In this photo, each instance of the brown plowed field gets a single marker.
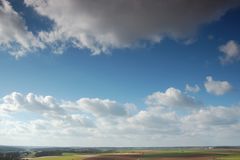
(184, 158)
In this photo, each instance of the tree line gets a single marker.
(10, 156)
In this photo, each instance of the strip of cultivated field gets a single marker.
(151, 155)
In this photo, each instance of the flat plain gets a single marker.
(176, 154)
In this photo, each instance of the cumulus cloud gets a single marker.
(15, 102)
(47, 105)
(104, 107)
(172, 97)
(100, 27)
(193, 89)
(215, 116)
(105, 24)
(155, 120)
(231, 51)
(105, 121)
(14, 34)
(217, 87)
(213, 121)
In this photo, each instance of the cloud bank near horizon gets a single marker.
(168, 118)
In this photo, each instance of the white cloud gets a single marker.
(172, 98)
(102, 25)
(107, 122)
(15, 102)
(214, 121)
(214, 116)
(11, 103)
(193, 89)
(231, 51)
(155, 120)
(102, 108)
(217, 87)
(13, 32)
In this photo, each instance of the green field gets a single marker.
(230, 157)
(64, 157)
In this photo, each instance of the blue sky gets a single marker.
(69, 62)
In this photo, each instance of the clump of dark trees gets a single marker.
(10, 156)
(48, 153)
(59, 152)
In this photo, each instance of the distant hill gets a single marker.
(4, 149)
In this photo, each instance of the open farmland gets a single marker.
(171, 154)
(73, 157)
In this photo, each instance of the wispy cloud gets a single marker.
(193, 89)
